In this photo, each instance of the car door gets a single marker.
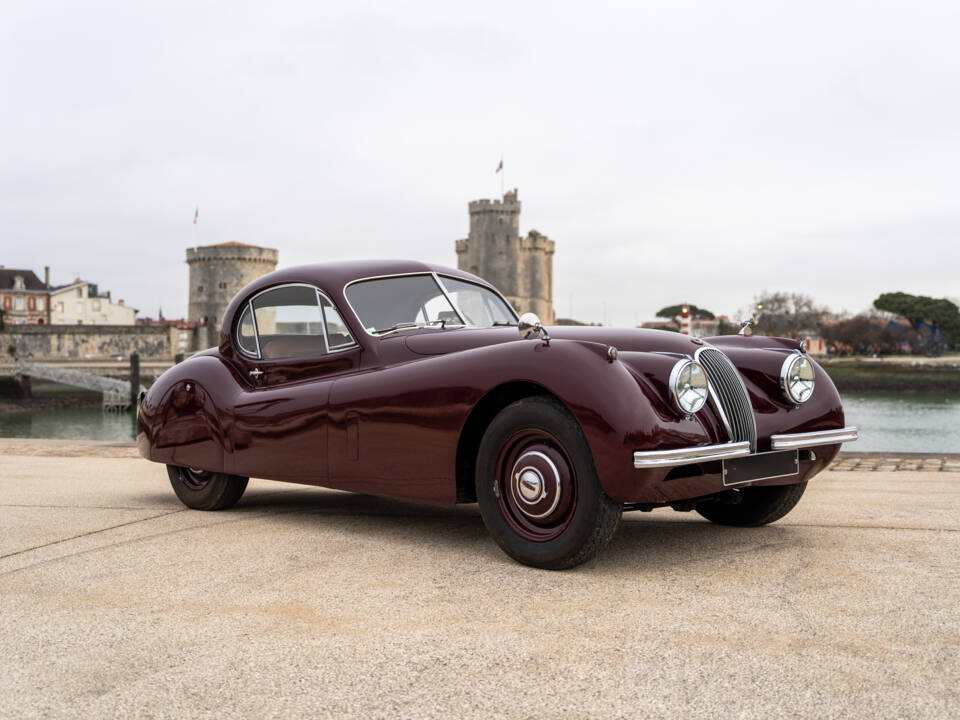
(293, 346)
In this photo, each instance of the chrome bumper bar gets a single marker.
(820, 437)
(690, 455)
(706, 453)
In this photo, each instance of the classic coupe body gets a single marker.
(411, 381)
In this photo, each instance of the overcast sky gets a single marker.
(699, 152)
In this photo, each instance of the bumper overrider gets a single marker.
(644, 459)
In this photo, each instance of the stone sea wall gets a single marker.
(88, 342)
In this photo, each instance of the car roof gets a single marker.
(333, 276)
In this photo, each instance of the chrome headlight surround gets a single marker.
(689, 387)
(797, 378)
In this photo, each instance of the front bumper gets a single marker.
(644, 459)
(820, 437)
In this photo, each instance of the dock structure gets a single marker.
(116, 393)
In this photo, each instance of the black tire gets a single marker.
(759, 505)
(538, 439)
(204, 490)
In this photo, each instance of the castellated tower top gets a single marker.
(509, 204)
(520, 267)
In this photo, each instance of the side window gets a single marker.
(337, 334)
(289, 323)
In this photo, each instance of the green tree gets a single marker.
(938, 312)
(673, 311)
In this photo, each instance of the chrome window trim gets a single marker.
(333, 348)
(236, 333)
(256, 330)
(643, 459)
(790, 441)
(436, 279)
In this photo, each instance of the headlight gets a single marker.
(688, 386)
(796, 378)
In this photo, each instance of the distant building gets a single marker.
(694, 327)
(217, 273)
(520, 267)
(82, 303)
(23, 297)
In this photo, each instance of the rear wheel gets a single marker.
(205, 490)
(537, 487)
(758, 505)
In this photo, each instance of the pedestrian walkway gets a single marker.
(892, 462)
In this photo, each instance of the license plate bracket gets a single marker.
(762, 466)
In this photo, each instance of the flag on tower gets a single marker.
(196, 215)
(499, 167)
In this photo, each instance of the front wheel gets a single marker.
(537, 487)
(759, 505)
(205, 490)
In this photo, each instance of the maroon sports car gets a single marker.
(412, 381)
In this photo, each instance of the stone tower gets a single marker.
(520, 267)
(217, 273)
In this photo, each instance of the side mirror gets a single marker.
(530, 326)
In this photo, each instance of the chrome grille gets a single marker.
(730, 396)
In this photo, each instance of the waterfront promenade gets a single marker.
(118, 602)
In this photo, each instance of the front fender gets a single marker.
(621, 406)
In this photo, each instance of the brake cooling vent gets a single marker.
(731, 396)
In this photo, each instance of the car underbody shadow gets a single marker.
(642, 542)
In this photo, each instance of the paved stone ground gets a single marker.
(115, 601)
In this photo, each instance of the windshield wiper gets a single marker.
(443, 323)
(398, 326)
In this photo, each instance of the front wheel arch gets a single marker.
(479, 419)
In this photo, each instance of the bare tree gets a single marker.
(867, 333)
(789, 315)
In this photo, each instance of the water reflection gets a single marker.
(904, 422)
(73, 424)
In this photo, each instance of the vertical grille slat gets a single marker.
(731, 395)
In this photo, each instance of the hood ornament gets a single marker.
(530, 326)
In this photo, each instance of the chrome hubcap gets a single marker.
(531, 485)
(535, 484)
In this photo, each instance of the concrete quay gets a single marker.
(115, 601)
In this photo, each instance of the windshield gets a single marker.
(479, 306)
(405, 301)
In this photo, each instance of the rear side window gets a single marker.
(246, 336)
(291, 321)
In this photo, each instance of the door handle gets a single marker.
(256, 372)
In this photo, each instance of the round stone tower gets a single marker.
(520, 267)
(217, 273)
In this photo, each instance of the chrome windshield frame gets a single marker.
(437, 278)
